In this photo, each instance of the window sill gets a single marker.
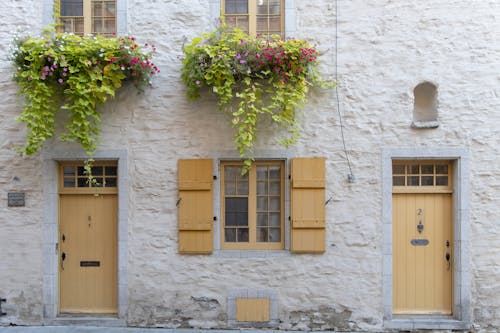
(427, 322)
(251, 253)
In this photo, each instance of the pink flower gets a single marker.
(60, 80)
(198, 82)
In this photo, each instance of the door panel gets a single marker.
(88, 240)
(422, 275)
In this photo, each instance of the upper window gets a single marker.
(252, 205)
(421, 176)
(88, 16)
(265, 17)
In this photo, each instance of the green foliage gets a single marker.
(75, 74)
(252, 77)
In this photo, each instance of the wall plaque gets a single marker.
(16, 199)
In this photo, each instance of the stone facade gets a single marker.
(385, 49)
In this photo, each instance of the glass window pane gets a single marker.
(242, 188)
(442, 180)
(274, 172)
(96, 8)
(71, 7)
(240, 22)
(262, 219)
(275, 235)
(275, 24)
(398, 169)
(398, 181)
(242, 234)
(109, 8)
(230, 235)
(230, 188)
(413, 169)
(275, 204)
(110, 182)
(69, 171)
(231, 219)
(427, 169)
(236, 7)
(242, 219)
(262, 7)
(262, 172)
(275, 188)
(262, 204)
(96, 171)
(111, 171)
(69, 182)
(275, 7)
(413, 181)
(274, 219)
(262, 188)
(427, 180)
(442, 169)
(262, 235)
(231, 172)
(242, 204)
(81, 171)
(83, 182)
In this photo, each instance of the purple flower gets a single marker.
(46, 68)
(60, 80)
(242, 61)
(238, 56)
(198, 82)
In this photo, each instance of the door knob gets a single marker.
(63, 257)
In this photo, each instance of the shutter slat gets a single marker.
(195, 213)
(308, 205)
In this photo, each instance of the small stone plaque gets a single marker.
(16, 199)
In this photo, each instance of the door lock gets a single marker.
(448, 258)
(63, 257)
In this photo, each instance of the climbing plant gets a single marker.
(252, 77)
(75, 74)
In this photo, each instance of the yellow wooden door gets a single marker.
(88, 253)
(422, 253)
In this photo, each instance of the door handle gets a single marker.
(63, 257)
(448, 258)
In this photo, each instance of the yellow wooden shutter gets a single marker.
(308, 205)
(195, 206)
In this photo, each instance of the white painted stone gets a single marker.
(385, 48)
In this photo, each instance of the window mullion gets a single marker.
(252, 204)
(87, 16)
(252, 17)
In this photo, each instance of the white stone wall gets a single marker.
(385, 48)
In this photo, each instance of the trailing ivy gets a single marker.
(75, 74)
(252, 77)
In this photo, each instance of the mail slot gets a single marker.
(90, 263)
(419, 242)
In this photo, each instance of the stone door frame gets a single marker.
(461, 318)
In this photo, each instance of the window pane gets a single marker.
(109, 8)
(231, 219)
(398, 181)
(274, 172)
(442, 169)
(242, 235)
(275, 204)
(442, 180)
(413, 181)
(275, 235)
(398, 169)
(275, 188)
(96, 171)
(71, 7)
(98, 182)
(69, 171)
(111, 171)
(236, 7)
(97, 8)
(262, 188)
(413, 169)
(262, 172)
(69, 182)
(81, 171)
(274, 219)
(262, 235)
(110, 182)
(230, 235)
(242, 188)
(262, 204)
(231, 173)
(230, 188)
(427, 180)
(262, 219)
(83, 182)
(427, 169)
(237, 22)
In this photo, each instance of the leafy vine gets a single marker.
(75, 74)
(252, 77)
